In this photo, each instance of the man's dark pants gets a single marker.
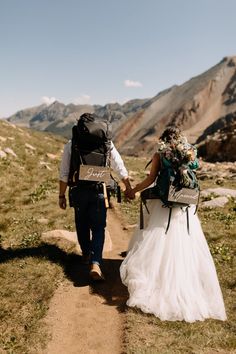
(90, 215)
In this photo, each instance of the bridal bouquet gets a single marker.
(178, 152)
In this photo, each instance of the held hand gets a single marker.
(62, 203)
(129, 193)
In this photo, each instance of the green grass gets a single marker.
(146, 333)
(29, 270)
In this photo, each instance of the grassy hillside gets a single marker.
(29, 270)
(147, 334)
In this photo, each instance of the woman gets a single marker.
(171, 275)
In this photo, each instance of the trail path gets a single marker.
(85, 317)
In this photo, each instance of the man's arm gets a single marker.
(117, 164)
(64, 173)
(127, 184)
(62, 197)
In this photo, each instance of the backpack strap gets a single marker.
(108, 152)
(141, 222)
(187, 215)
(169, 218)
(196, 209)
(142, 201)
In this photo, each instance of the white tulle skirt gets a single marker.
(172, 275)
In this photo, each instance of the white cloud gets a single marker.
(83, 99)
(130, 83)
(48, 100)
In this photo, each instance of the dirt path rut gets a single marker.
(85, 317)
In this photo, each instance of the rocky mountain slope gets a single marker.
(59, 118)
(218, 141)
(194, 106)
(203, 107)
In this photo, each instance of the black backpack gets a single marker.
(91, 145)
(175, 187)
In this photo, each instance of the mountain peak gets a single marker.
(230, 60)
(193, 106)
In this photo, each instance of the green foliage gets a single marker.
(42, 191)
(221, 252)
(28, 278)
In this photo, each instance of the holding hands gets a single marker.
(129, 193)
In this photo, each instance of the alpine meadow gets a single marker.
(32, 270)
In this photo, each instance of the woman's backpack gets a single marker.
(175, 186)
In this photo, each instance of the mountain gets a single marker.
(199, 107)
(218, 141)
(59, 118)
(193, 106)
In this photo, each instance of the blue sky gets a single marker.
(101, 51)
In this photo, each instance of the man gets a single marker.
(90, 209)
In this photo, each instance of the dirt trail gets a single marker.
(87, 317)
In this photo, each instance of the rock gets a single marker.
(30, 146)
(43, 221)
(3, 139)
(218, 141)
(226, 192)
(63, 239)
(217, 171)
(10, 151)
(67, 240)
(51, 156)
(214, 203)
(45, 165)
(130, 227)
(220, 181)
(2, 154)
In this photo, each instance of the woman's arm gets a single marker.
(155, 167)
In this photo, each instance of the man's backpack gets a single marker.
(175, 187)
(90, 156)
(91, 145)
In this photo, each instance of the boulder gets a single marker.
(28, 146)
(218, 202)
(10, 151)
(2, 154)
(225, 192)
(67, 240)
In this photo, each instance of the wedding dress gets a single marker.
(172, 275)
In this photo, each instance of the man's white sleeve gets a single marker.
(117, 163)
(65, 163)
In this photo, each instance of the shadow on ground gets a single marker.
(111, 290)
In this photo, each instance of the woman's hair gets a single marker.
(170, 133)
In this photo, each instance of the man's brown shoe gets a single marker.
(96, 273)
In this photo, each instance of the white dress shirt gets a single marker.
(117, 163)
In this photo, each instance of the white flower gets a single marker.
(180, 147)
(161, 146)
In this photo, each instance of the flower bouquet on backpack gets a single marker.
(182, 157)
(177, 179)
(178, 152)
